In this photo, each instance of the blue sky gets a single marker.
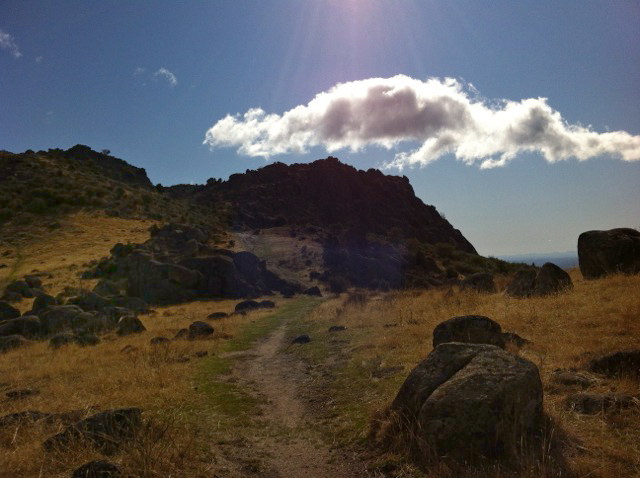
(148, 79)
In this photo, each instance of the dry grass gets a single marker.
(566, 330)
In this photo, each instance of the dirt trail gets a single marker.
(293, 448)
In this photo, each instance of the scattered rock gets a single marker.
(571, 378)
(7, 311)
(217, 315)
(33, 281)
(107, 431)
(337, 328)
(201, 353)
(618, 364)
(247, 305)
(593, 403)
(551, 279)
(43, 301)
(471, 401)
(480, 282)
(20, 287)
(608, 252)
(313, 291)
(130, 325)
(301, 339)
(98, 469)
(472, 329)
(199, 329)
(160, 341)
(21, 393)
(28, 326)
(11, 342)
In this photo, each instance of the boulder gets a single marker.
(87, 339)
(61, 339)
(522, 284)
(301, 339)
(618, 364)
(98, 469)
(9, 296)
(593, 403)
(20, 287)
(107, 431)
(313, 291)
(337, 328)
(89, 301)
(551, 279)
(160, 341)
(43, 301)
(571, 378)
(471, 401)
(28, 326)
(59, 318)
(247, 305)
(7, 311)
(217, 315)
(11, 342)
(19, 393)
(479, 282)
(33, 281)
(608, 252)
(106, 288)
(129, 325)
(199, 329)
(472, 329)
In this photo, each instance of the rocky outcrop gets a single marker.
(471, 401)
(176, 265)
(608, 252)
(471, 329)
(549, 279)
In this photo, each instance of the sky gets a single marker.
(519, 121)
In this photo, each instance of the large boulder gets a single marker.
(42, 301)
(60, 318)
(607, 252)
(471, 401)
(480, 282)
(549, 279)
(28, 326)
(130, 325)
(107, 431)
(11, 342)
(472, 329)
(199, 329)
(7, 311)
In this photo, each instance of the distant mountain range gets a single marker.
(566, 260)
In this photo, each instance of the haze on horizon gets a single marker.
(521, 123)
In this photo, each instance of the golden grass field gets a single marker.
(184, 415)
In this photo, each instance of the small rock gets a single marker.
(21, 393)
(130, 325)
(301, 339)
(618, 364)
(199, 329)
(181, 334)
(571, 378)
(337, 328)
(160, 341)
(217, 315)
(98, 469)
(201, 353)
(592, 403)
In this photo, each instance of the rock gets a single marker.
(199, 329)
(28, 326)
(98, 469)
(608, 252)
(181, 334)
(106, 288)
(7, 311)
(522, 284)
(43, 301)
(89, 301)
(571, 378)
(267, 304)
(514, 339)
(11, 296)
(593, 403)
(472, 329)
(337, 328)
(313, 291)
(107, 431)
(480, 282)
(160, 341)
(20, 287)
(61, 339)
(135, 304)
(21, 393)
(11, 342)
(618, 364)
(301, 339)
(60, 318)
(217, 315)
(129, 325)
(247, 305)
(551, 279)
(33, 281)
(20, 417)
(471, 401)
(87, 339)
(201, 353)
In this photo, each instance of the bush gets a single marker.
(338, 284)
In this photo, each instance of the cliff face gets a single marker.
(335, 197)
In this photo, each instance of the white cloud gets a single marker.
(167, 75)
(139, 71)
(39, 59)
(8, 43)
(444, 115)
